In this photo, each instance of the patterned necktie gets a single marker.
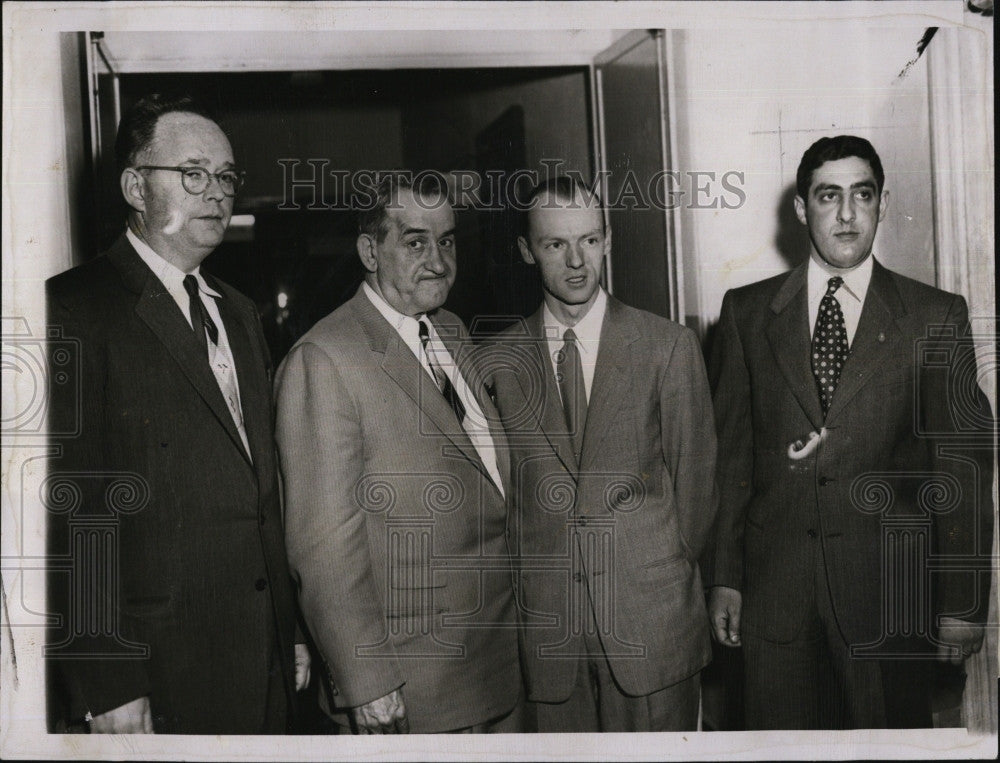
(829, 345)
(443, 382)
(569, 375)
(201, 321)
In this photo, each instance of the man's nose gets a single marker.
(845, 211)
(574, 256)
(435, 261)
(214, 188)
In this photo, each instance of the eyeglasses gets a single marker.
(195, 179)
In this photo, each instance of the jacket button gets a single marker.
(261, 584)
(811, 533)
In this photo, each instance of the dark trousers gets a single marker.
(813, 682)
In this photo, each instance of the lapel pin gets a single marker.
(881, 336)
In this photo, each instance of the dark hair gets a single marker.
(373, 215)
(830, 150)
(135, 131)
(561, 187)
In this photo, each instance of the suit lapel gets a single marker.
(402, 366)
(610, 374)
(874, 341)
(160, 312)
(254, 393)
(789, 335)
(551, 420)
(470, 372)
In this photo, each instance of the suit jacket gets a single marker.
(620, 532)
(201, 598)
(396, 535)
(904, 472)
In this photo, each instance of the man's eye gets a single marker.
(554, 245)
(864, 195)
(446, 243)
(592, 241)
(828, 196)
(229, 178)
(194, 174)
(416, 245)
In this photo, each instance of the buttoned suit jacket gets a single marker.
(903, 474)
(642, 501)
(396, 534)
(196, 589)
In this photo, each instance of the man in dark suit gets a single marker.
(395, 474)
(609, 418)
(180, 617)
(854, 467)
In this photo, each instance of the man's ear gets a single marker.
(800, 210)
(526, 254)
(133, 187)
(607, 241)
(366, 251)
(883, 205)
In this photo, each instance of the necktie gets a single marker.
(443, 382)
(569, 375)
(201, 321)
(829, 346)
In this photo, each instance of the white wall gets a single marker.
(754, 102)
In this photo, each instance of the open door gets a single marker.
(633, 157)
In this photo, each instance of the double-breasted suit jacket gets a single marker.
(189, 599)
(619, 533)
(396, 533)
(901, 477)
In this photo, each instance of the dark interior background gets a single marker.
(497, 120)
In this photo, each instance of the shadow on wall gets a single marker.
(791, 238)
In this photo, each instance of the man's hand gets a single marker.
(965, 637)
(131, 718)
(724, 607)
(303, 663)
(385, 715)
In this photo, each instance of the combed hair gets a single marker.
(135, 131)
(561, 187)
(831, 149)
(373, 217)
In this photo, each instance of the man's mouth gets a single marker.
(577, 280)
(847, 234)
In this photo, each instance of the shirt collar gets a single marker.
(855, 281)
(587, 330)
(396, 319)
(166, 271)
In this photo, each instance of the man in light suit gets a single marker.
(178, 613)
(609, 419)
(855, 469)
(395, 472)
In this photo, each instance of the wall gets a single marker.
(754, 103)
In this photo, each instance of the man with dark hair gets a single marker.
(182, 619)
(395, 476)
(609, 417)
(855, 469)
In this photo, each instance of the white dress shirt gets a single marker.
(588, 337)
(850, 295)
(474, 424)
(220, 357)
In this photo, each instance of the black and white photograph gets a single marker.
(605, 380)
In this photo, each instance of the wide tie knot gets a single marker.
(833, 284)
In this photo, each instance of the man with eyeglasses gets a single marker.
(183, 621)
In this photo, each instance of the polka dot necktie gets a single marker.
(829, 345)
